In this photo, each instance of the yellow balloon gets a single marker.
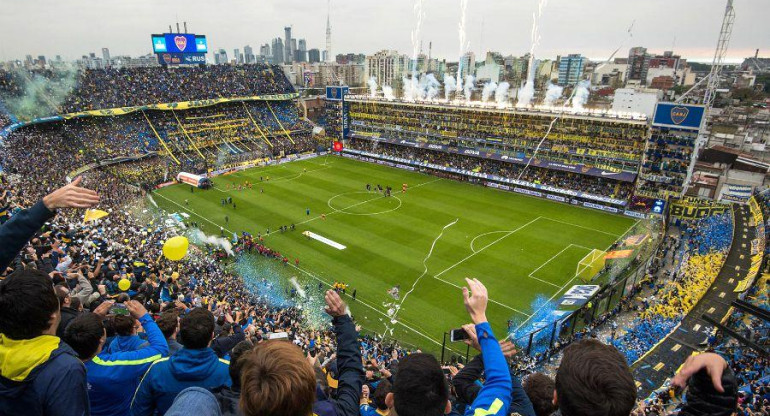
(124, 284)
(175, 248)
(175, 275)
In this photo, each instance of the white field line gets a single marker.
(425, 267)
(531, 274)
(568, 282)
(400, 322)
(473, 242)
(508, 233)
(582, 226)
(322, 281)
(282, 179)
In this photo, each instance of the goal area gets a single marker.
(590, 265)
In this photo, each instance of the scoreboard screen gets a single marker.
(179, 43)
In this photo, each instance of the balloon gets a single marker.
(175, 248)
(174, 275)
(124, 284)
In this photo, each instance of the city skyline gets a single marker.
(125, 29)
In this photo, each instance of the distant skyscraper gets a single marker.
(237, 56)
(287, 53)
(468, 64)
(571, 69)
(314, 56)
(293, 49)
(220, 57)
(277, 51)
(328, 57)
(264, 51)
(248, 54)
(638, 64)
(106, 54)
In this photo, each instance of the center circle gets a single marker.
(364, 203)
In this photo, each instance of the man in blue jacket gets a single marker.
(114, 376)
(39, 374)
(420, 387)
(195, 365)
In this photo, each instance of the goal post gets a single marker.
(590, 265)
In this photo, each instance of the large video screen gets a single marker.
(179, 43)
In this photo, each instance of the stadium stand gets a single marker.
(185, 306)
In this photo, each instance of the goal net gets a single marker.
(590, 265)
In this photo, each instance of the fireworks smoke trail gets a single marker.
(463, 44)
(527, 92)
(372, 83)
(553, 92)
(488, 90)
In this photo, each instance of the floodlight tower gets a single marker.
(712, 84)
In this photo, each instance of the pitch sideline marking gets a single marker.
(317, 278)
(424, 335)
(582, 226)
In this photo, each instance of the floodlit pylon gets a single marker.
(712, 84)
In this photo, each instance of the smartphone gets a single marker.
(458, 334)
(119, 309)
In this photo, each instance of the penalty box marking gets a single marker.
(552, 258)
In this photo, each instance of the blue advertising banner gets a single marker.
(680, 116)
(179, 43)
(181, 58)
(577, 296)
(336, 93)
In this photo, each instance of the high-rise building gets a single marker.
(328, 51)
(314, 56)
(106, 54)
(638, 65)
(237, 56)
(571, 68)
(468, 64)
(220, 57)
(248, 54)
(301, 54)
(264, 50)
(387, 66)
(278, 51)
(287, 53)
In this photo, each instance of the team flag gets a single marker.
(94, 214)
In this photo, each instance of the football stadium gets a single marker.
(256, 237)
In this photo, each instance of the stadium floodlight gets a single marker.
(590, 265)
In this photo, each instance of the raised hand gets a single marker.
(335, 306)
(713, 363)
(136, 309)
(475, 298)
(71, 196)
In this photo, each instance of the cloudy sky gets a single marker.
(594, 28)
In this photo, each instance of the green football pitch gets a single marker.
(426, 241)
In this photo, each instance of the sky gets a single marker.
(594, 28)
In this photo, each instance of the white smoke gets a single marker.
(580, 97)
(411, 87)
(501, 94)
(526, 93)
(198, 237)
(488, 90)
(431, 87)
(387, 92)
(372, 86)
(450, 85)
(469, 87)
(552, 93)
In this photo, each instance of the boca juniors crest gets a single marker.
(180, 42)
(679, 114)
